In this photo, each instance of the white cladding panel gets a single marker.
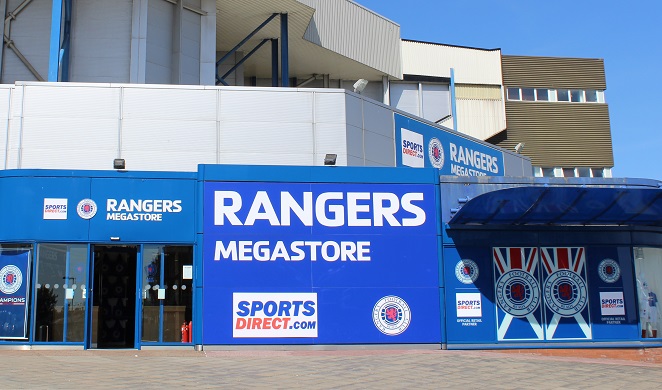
(267, 105)
(405, 97)
(101, 41)
(480, 118)
(30, 32)
(164, 103)
(472, 66)
(5, 102)
(160, 17)
(356, 32)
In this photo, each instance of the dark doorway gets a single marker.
(114, 297)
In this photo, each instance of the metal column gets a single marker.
(274, 62)
(284, 54)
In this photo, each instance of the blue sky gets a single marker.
(627, 35)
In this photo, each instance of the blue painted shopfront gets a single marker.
(259, 255)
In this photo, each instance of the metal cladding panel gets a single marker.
(168, 135)
(268, 138)
(378, 119)
(472, 65)
(258, 158)
(354, 111)
(64, 100)
(379, 150)
(554, 72)
(480, 118)
(5, 102)
(329, 108)
(180, 104)
(30, 32)
(355, 161)
(355, 142)
(191, 30)
(101, 41)
(330, 138)
(266, 106)
(176, 160)
(405, 97)
(560, 134)
(160, 18)
(349, 29)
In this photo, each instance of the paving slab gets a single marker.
(343, 369)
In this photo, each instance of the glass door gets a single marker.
(167, 294)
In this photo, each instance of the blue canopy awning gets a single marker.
(563, 206)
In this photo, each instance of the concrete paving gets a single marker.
(344, 369)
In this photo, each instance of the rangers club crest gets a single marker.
(609, 271)
(391, 315)
(466, 271)
(566, 293)
(517, 294)
(11, 279)
(86, 208)
(436, 153)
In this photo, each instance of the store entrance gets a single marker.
(113, 322)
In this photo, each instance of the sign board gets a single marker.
(420, 145)
(320, 263)
(14, 294)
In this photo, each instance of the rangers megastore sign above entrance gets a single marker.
(320, 263)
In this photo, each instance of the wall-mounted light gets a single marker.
(119, 163)
(114, 238)
(330, 159)
(360, 85)
(519, 147)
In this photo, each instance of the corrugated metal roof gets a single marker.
(472, 66)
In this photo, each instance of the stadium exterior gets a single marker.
(160, 186)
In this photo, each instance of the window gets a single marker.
(597, 172)
(576, 95)
(513, 94)
(583, 172)
(591, 96)
(61, 293)
(562, 95)
(548, 172)
(648, 268)
(528, 94)
(542, 94)
(568, 172)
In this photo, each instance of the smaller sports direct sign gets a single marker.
(468, 305)
(413, 153)
(55, 208)
(612, 303)
(274, 315)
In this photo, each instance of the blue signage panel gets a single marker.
(296, 263)
(612, 300)
(14, 293)
(469, 295)
(421, 145)
(158, 210)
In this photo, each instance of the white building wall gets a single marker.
(5, 109)
(101, 41)
(30, 32)
(160, 17)
(472, 66)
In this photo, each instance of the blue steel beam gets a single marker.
(66, 42)
(284, 52)
(247, 56)
(249, 36)
(54, 52)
